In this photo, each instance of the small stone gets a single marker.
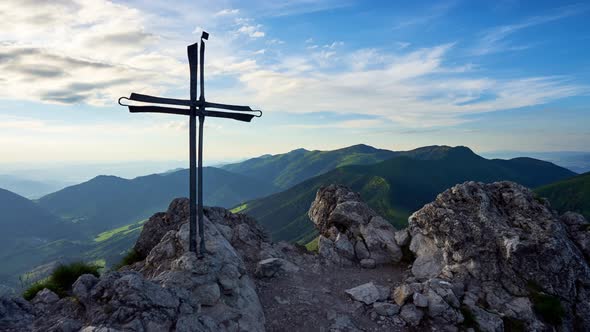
(343, 246)
(411, 314)
(361, 250)
(385, 309)
(402, 293)
(384, 292)
(207, 294)
(420, 300)
(45, 297)
(402, 237)
(82, 287)
(366, 293)
(270, 267)
(368, 263)
(373, 315)
(344, 323)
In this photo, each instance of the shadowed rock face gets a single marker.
(495, 248)
(350, 231)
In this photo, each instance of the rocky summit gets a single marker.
(481, 257)
(497, 257)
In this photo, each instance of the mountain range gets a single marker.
(98, 220)
(109, 201)
(396, 187)
(287, 169)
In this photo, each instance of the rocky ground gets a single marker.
(485, 257)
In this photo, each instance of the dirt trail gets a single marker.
(313, 299)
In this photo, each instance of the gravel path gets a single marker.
(313, 299)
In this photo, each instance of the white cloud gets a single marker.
(96, 51)
(251, 30)
(227, 12)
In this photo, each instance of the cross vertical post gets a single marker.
(196, 108)
(193, 65)
(204, 37)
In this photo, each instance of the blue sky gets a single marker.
(492, 75)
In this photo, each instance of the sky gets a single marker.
(491, 75)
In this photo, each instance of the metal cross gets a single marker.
(196, 108)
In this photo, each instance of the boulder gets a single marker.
(350, 230)
(159, 224)
(508, 249)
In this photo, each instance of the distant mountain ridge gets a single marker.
(105, 202)
(398, 186)
(288, 169)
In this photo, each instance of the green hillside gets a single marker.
(396, 187)
(287, 169)
(26, 224)
(107, 202)
(571, 194)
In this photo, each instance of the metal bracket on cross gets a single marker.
(193, 108)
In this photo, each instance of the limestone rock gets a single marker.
(350, 230)
(171, 289)
(402, 237)
(367, 263)
(271, 267)
(44, 298)
(159, 224)
(578, 229)
(402, 293)
(420, 300)
(498, 240)
(15, 313)
(366, 293)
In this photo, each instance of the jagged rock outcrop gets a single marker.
(350, 231)
(170, 290)
(499, 255)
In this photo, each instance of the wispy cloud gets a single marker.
(227, 11)
(430, 14)
(496, 40)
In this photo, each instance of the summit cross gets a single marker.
(193, 108)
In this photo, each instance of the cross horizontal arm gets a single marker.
(159, 100)
(229, 115)
(158, 109)
(230, 107)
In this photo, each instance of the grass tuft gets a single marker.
(131, 257)
(313, 245)
(61, 279)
